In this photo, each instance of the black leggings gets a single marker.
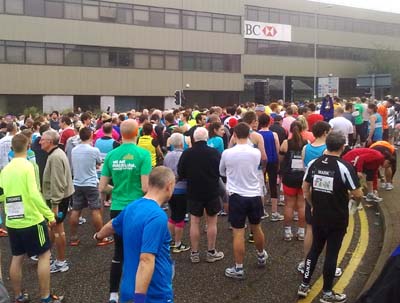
(118, 258)
(333, 238)
(272, 171)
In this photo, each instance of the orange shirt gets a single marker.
(382, 110)
(384, 144)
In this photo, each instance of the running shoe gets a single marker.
(250, 239)
(23, 298)
(195, 257)
(333, 297)
(338, 272)
(276, 217)
(82, 220)
(35, 258)
(383, 185)
(300, 236)
(389, 186)
(214, 257)
(3, 232)
(105, 241)
(370, 197)
(222, 213)
(303, 290)
(295, 216)
(265, 215)
(262, 258)
(300, 267)
(54, 299)
(234, 272)
(57, 267)
(181, 248)
(288, 236)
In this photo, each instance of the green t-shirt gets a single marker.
(24, 204)
(358, 107)
(125, 165)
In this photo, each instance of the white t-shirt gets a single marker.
(240, 165)
(343, 125)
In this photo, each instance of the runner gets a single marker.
(129, 167)
(147, 142)
(390, 154)
(148, 269)
(57, 190)
(375, 130)
(240, 165)
(326, 184)
(26, 213)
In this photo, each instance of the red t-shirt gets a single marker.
(66, 134)
(364, 158)
(312, 119)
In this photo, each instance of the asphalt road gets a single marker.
(87, 279)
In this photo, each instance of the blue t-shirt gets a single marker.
(217, 143)
(269, 145)
(143, 227)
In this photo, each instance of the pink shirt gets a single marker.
(287, 122)
(100, 134)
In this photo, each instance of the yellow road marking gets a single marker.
(358, 254)
(317, 286)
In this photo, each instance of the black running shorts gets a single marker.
(241, 208)
(33, 240)
(212, 207)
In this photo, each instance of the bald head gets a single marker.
(129, 130)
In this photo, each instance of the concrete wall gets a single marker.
(59, 103)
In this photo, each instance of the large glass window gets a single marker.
(203, 62)
(307, 20)
(188, 61)
(90, 10)
(263, 15)
(172, 60)
(124, 13)
(141, 59)
(125, 58)
(73, 9)
(1, 6)
(15, 52)
(156, 60)
(54, 9)
(251, 46)
(218, 23)
(34, 8)
(188, 20)
(141, 15)
(273, 16)
(2, 52)
(203, 21)
(233, 24)
(91, 56)
(108, 12)
(218, 63)
(172, 18)
(54, 54)
(252, 14)
(157, 17)
(35, 53)
(14, 7)
(112, 58)
(73, 55)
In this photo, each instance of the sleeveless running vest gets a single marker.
(293, 167)
(378, 128)
(313, 152)
(146, 143)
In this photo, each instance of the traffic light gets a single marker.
(178, 97)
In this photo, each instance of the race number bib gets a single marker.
(297, 164)
(15, 208)
(323, 183)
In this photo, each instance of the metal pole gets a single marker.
(284, 89)
(315, 53)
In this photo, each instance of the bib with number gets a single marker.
(15, 208)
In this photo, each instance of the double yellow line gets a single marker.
(355, 260)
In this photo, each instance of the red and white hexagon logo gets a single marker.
(270, 31)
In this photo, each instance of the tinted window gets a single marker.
(218, 23)
(203, 62)
(34, 8)
(157, 17)
(124, 13)
(233, 25)
(203, 22)
(141, 15)
(54, 54)
(14, 7)
(172, 61)
(108, 12)
(91, 57)
(54, 9)
(141, 59)
(73, 55)
(35, 53)
(188, 62)
(91, 10)
(72, 10)
(172, 18)
(15, 52)
(157, 60)
(2, 52)
(125, 58)
(218, 63)
(188, 20)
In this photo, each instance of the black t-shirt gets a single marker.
(331, 178)
(280, 131)
(293, 167)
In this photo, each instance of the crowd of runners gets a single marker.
(157, 170)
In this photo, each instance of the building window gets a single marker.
(172, 60)
(141, 59)
(203, 62)
(35, 53)
(141, 15)
(218, 63)
(15, 52)
(54, 9)
(34, 8)
(54, 54)
(203, 22)
(274, 16)
(108, 12)
(15, 7)
(263, 15)
(125, 58)
(73, 55)
(112, 58)
(2, 52)
(172, 18)
(156, 60)
(124, 13)
(307, 20)
(73, 9)
(188, 20)
(218, 23)
(157, 17)
(91, 56)
(252, 14)
(188, 61)
(233, 25)
(90, 10)
(1, 6)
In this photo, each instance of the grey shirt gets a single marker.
(171, 160)
(84, 160)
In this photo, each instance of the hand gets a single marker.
(54, 208)
(52, 223)
(360, 175)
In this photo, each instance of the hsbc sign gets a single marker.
(267, 31)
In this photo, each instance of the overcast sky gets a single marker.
(382, 5)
